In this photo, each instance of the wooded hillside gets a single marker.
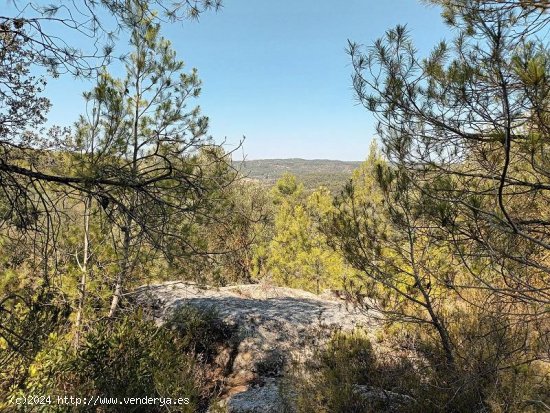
(313, 173)
(439, 240)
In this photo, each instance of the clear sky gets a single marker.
(277, 73)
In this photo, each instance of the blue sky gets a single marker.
(277, 72)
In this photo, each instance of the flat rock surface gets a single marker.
(274, 325)
(254, 306)
(265, 399)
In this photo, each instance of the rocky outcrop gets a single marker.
(273, 324)
(259, 399)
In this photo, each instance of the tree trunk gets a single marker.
(428, 304)
(123, 273)
(84, 271)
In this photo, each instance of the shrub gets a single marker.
(130, 357)
(326, 382)
(200, 330)
(488, 376)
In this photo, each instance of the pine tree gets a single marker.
(298, 255)
(148, 139)
(469, 124)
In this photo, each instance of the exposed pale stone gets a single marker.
(273, 324)
(264, 399)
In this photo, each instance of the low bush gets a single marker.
(129, 358)
(327, 381)
(346, 375)
(200, 330)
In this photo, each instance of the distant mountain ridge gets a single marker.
(313, 173)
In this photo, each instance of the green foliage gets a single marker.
(242, 214)
(298, 255)
(168, 184)
(287, 188)
(27, 323)
(332, 379)
(384, 225)
(473, 119)
(331, 174)
(200, 331)
(329, 381)
(131, 357)
(447, 234)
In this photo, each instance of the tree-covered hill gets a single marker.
(424, 281)
(313, 173)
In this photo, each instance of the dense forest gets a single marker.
(443, 231)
